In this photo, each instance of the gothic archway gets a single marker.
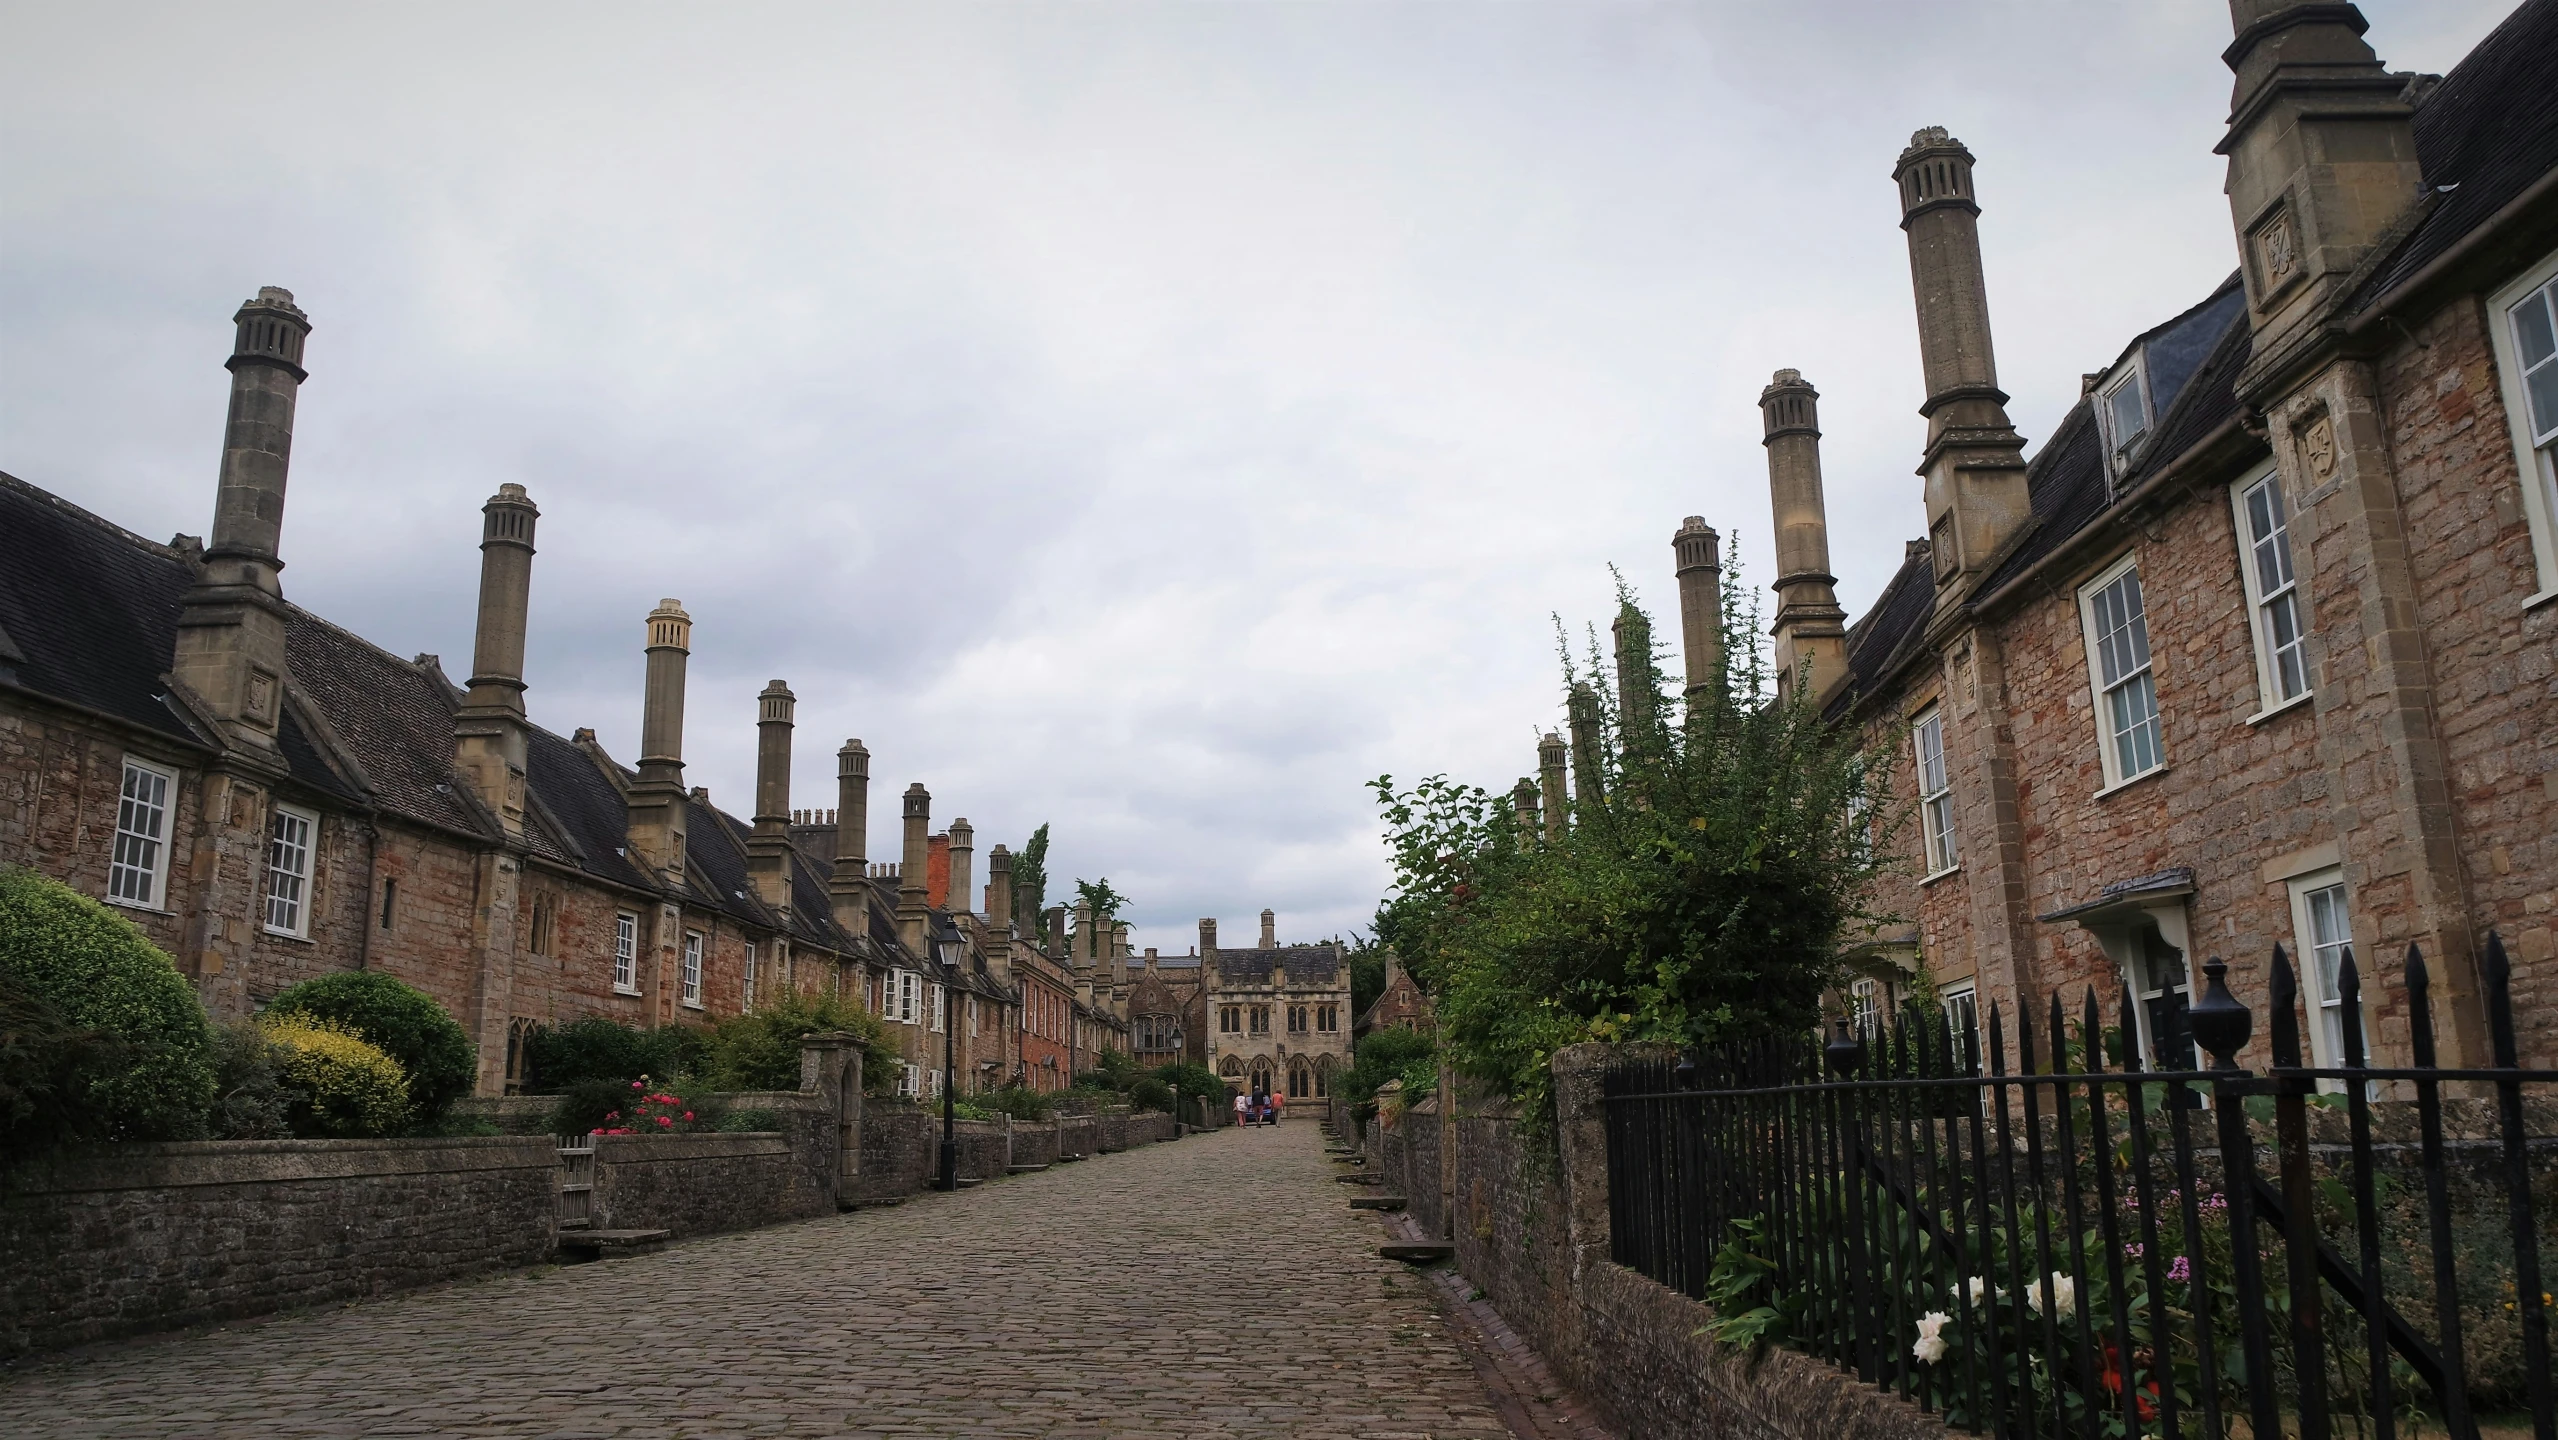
(1301, 1079)
(1324, 1069)
(1262, 1076)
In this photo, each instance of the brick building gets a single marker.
(2256, 648)
(269, 797)
(1399, 1005)
(1278, 1016)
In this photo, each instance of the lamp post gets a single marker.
(949, 1099)
(1176, 1084)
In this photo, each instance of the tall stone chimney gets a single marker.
(230, 647)
(2322, 160)
(1633, 642)
(1269, 930)
(1207, 937)
(488, 729)
(657, 796)
(1523, 801)
(1056, 920)
(1700, 569)
(849, 890)
(1975, 461)
(1087, 951)
(768, 851)
(914, 916)
(999, 913)
(1811, 628)
(1550, 754)
(963, 853)
(1589, 783)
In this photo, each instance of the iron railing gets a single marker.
(2083, 1247)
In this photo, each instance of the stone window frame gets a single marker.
(1259, 1019)
(296, 891)
(147, 856)
(1300, 1020)
(2108, 739)
(2270, 699)
(1327, 1019)
(1961, 1002)
(2536, 463)
(2319, 999)
(746, 980)
(625, 953)
(903, 1004)
(1230, 1019)
(941, 1009)
(688, 980)
(1942, 845)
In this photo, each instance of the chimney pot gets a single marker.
(1700, 574)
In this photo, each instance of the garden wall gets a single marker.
(109, 1242)
(1531, 1232)
(696, 1184)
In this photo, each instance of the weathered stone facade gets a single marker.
(2317, 501)
(1278, 1016)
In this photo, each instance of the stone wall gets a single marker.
(1532, 1234)
(695, 1184)
(98, 1244)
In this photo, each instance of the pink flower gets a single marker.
(2180, 1269)
(612, 1114)
(688, 1114)
(637, 1085)
(598, 1130)
(662, 1120)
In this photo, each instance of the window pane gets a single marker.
(2543, 385)
(2291, 667)
(2135, 713)
(2128, 421)
(2532, 332)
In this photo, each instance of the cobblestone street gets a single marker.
(1220, 1286)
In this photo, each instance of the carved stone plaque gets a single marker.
(2318, 448)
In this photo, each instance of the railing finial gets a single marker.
(2220, 1024)
(1846, 1051)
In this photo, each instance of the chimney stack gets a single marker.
(1523, 800)
(488, 729)
(1207, 937)
(914, 917)
(657, 798)
(1550, 756)
(1589, 785)
(849, 890)
(1633, 636)
(2322, 159)
(1057, 933)
(1700, 569)
(963, 852)
(1087, 946)
(1975, 461)
(999, 913)
(230, 646)
(1269, 930)
(768, 859)
(1811, 628)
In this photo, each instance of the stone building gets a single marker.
(269, 797)
(1168, 1011)
(2256, 647)
(1278, 1015)
(1399, 1005)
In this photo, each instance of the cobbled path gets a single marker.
(1215, 1287)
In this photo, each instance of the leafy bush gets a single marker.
(403, 1021)
(250, 1100)
(648, 1111)
(589, 1105)
(749, 1122)
(598, 1047)
(100, 1037)
(1393, 1053)
(760, 1050)
(1111, 1070)
(1019, 1101)
(1150, 1094)
(341, 1085)
(1193, 1081)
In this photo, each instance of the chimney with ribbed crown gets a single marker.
(1699, 552)
(1523, 806)
(848, 892)
(1589, 782)
(914, 916)
(768, 848)
(1975, 460)
(1811, 627)
(489, 728)
(1207, 937)
(1269, 930)
(1550, 760)
(999, 913)
(230, 644)
(657, 796)
(963, 851)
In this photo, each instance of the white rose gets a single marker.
(1930, 1345)
(2064, 1296)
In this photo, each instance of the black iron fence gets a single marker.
(2084, 1247)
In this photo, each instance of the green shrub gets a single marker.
(403, 1021)
(342, 1086)
(588, 1105)
(100, 1037)
(598, 1047)
(1394, 1053)
(1193, 1081)
(1019, 1101)
(250, 1101)
(749, 1122)
(1151, 1094)
(760, 1050)
(1111, 1071)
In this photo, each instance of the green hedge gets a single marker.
(432, 1049)
(562, 1058)
(100, 1037)
(760, 1049)
(341, 1086)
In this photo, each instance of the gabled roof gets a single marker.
(1303, 964)
(91, 610)
(2485, 133)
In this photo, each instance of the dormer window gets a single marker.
(2123, 408)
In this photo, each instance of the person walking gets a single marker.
(1243, 1110)
(1278, 1107)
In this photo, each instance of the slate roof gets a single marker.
(1304, 964)
(88, 616)
(2484, 133)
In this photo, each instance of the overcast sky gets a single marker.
(1153, 419)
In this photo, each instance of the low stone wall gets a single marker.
(114, 1241)
(1077, 1137)
(696, 1184)
(901, 1150)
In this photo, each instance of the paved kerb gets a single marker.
(1211, 1288)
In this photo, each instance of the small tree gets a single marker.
(1030, 879)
